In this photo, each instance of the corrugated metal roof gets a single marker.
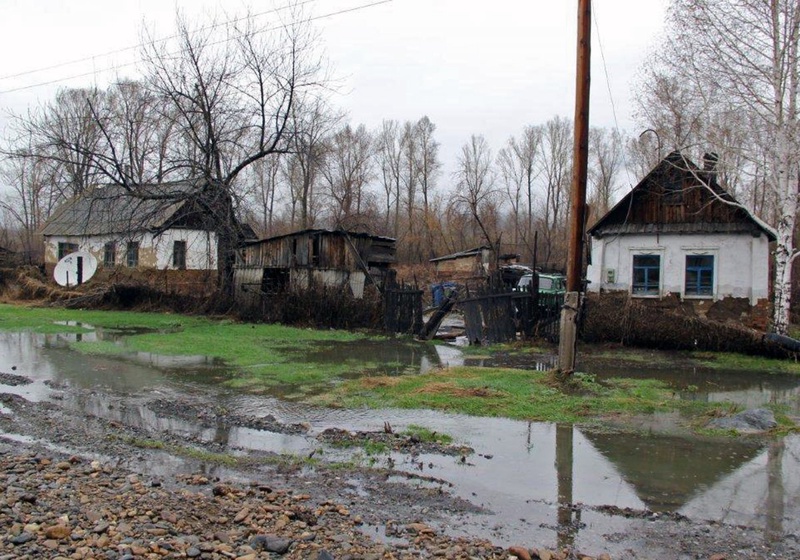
(462, 254)
(112, 209)
(326, 231)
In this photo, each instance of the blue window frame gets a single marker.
(646, 275)
(699, 275)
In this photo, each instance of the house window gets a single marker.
(132, 254)
(646, 275)
(110, 254)
(699, 275)
(65, 249)
(179, 255)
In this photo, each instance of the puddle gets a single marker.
(396, 357)
(526, 474)
(750, 389)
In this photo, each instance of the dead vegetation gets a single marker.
(618, 318)
(318, 306)
(452, 390)
(28, 284)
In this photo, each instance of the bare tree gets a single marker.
(389, 154)
(64, 135)
(261, 191)
(213, 101)
(606, 161)
(519, 170)
(556, 174)
(311, 123)
(475, 185)
(29, 201)
(758, 79)
(347, 169)
(428, 166)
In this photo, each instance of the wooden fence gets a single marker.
(402, 309)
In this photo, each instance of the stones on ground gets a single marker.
(22, 538)
(81, 510)
(750, 421)
(271, 543)
(520, 552)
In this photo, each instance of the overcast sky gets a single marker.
(472, 66)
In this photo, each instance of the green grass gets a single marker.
(44, 319)
(427, 435)
(731, 361)
(263, 354)
(510, 393)
(274, 357)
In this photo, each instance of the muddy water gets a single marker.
(525, 474)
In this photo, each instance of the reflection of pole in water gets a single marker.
(564, 460)
(775, 491)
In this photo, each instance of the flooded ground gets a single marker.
(533, 482)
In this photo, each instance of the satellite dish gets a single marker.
(75, 269)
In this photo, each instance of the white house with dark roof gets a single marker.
(679, 233)
(161, 228)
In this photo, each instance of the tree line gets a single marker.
(244, 115)
(328, 173)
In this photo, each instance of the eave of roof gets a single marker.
(462, 254)
(310, 231)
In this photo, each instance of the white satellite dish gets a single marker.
(75, 268)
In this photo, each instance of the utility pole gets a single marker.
(572, 300)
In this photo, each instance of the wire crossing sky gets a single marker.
(473, 67)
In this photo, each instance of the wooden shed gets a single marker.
(465, 265)
(329, 257)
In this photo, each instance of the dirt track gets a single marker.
(81, 486)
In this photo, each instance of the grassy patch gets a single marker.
(510, 393)
(427, 435)
(730, 361)
(44, 320)
(104, 347)
(265, 355)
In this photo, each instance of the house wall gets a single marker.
(741, 263)
(154, 251)
(318, 250)
(464, 268)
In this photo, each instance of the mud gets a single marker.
(389, 514)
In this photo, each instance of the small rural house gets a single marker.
(327, 257)
(465, 265)
(170, 234)
(678, 235)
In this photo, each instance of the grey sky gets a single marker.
(471, 66)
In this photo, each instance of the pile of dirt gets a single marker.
(618, 318)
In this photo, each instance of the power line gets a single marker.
(610, 94)
(118, 66)
(139, 45)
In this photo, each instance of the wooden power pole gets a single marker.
(569, 314)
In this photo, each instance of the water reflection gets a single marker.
(529, 475)
(749, 389)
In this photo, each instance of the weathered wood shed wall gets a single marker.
(331, 257)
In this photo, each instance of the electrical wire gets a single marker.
(140, 45)
(610, 94)
(118, 66)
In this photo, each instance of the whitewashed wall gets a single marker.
(154, 251)
(741, 262)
